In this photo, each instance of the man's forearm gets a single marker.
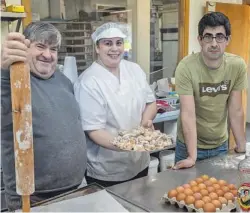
(149, 112)
(102, 138)
(190, 134)
(236, 119)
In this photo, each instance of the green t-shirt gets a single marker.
(211, 90)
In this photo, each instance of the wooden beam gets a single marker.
(27, 7)
(246, 2)
(184, 6)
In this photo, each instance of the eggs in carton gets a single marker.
(204, 194)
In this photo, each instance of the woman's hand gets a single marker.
(148, 124)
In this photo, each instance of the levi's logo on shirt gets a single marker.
(214, 89)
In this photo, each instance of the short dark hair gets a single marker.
(43, 32)
(214, 19)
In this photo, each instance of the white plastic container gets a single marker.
(153, 166)
(166, 159)
(70, 68)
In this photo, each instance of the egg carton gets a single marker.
(190, 208)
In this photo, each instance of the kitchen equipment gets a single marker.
(22, 131)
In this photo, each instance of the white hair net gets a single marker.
(109, 30)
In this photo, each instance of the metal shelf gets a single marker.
(9, 16)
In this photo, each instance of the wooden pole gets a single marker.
(184, 6)
(27, 7)
(22, 131)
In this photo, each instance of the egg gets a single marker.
(223, 200)
(213, 180)
(231, 186)
(217, 204)
(188, 191)
(195, 189)
(234, 192)
(209, 207)
(201, 185)
(208, 183)
(210, 189)
(199, 204)
(222, 182)
(220, 192)
(193, 183)
(186, 186)
(189, 200)
(225, 189)
(204, 192)
(180, 189)
(206, 199)
(205, 177)
(172, 193)
(229, 196)
(216, 186)
(197, 196)
(199, 180)
(180, 196)
(213, 196)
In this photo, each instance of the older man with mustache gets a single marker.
(59, 142)
(210, 84)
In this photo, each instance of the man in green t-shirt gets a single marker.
(210, 85)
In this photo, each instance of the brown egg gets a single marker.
(195, 189)
(204, 192)
(206, 199)
(213, 196)
(186, 186)
(210, 189)
(205, 177)
(197, 196)
(213, 180)
(199, 180)
(172, 193)
(229, 196)
(192, 183)
(220, 192)
(222, 182)
(231, 186)
(217, 204)
(189, 200)
(234, 192)
(180, 196)
(188, 191)
(223, 200)
(199, 204)
(208, 183)
(180, 189)
(209, 207)
(216, 186)
(201, 185)
(225, 189)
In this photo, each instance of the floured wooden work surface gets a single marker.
(100, 201)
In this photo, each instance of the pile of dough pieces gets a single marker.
(142, 139)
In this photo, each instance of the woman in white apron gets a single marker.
(113, 94)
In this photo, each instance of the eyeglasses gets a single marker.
(219, 38)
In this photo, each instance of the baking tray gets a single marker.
(85, 190)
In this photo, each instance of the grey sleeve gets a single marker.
(5, 92)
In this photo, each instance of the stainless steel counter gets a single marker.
(147, 192)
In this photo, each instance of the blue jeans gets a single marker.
(181, 151)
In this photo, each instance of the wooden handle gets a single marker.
(22, 128)
(26, 203)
